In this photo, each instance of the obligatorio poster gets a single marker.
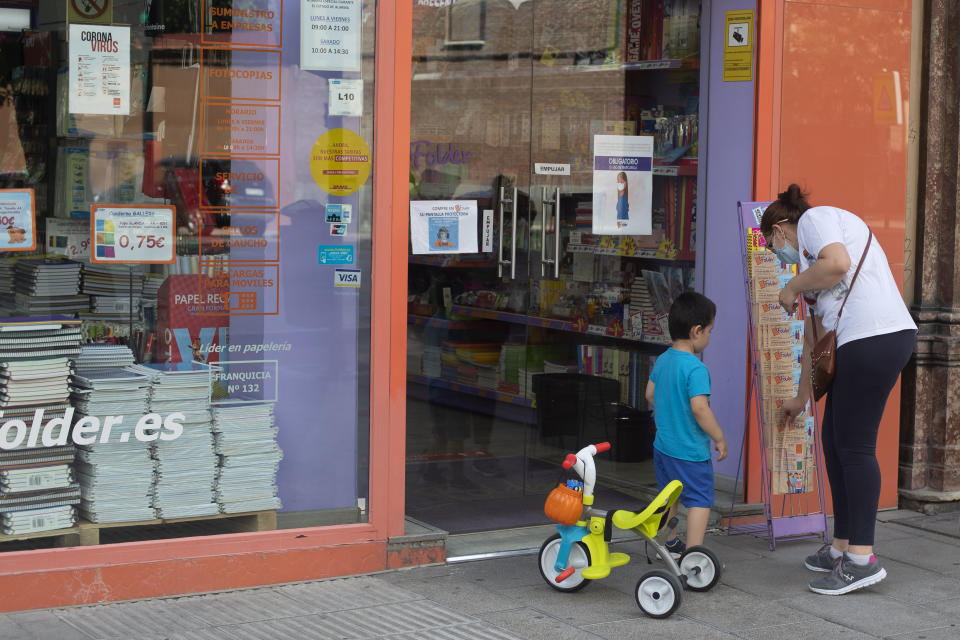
(622, 185)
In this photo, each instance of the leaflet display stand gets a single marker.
(791, 476)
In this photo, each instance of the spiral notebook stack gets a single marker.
(101, 356)
(115, 291)
(116, 470)
(186, 466)
(36, 464)
(17, 523)
(246, 441)
(47, 285)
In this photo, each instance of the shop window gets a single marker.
(466, 23)
(184, 306)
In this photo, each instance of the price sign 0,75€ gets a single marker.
(132, 234)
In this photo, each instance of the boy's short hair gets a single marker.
(687, 311)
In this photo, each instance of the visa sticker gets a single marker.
(346, 278)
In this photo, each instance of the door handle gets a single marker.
(544, 260)
(555, 260)
(513, 234)
(500, 244)
(556, 235)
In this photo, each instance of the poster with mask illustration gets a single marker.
(443, 226)
(622, 185)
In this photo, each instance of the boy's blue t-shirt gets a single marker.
(678, 376)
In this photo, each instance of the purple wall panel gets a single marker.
(316, 410)
(729, 176)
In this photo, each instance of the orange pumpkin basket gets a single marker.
(564, 505)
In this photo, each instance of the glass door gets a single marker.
(468, 409)
(615, 98)
(541, 341)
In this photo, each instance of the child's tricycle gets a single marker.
(579, 551)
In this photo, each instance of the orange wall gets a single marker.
(828, 119)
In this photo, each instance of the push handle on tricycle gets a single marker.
(582, 464)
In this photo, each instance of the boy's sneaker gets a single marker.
(676, 547)
(849, 576)
(821, 560)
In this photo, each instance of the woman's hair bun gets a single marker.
(794, 198)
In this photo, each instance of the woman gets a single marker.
(875, 337)
(623, 202)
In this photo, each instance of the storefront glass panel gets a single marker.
(185, 289)
(538, 339)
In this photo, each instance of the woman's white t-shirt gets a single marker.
(875, 306)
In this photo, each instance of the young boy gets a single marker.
(678, 390)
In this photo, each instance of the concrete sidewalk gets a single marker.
(762, 595)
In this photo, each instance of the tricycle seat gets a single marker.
(649, 521)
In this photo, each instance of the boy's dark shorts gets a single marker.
(697, 478)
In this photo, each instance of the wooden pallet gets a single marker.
(88, 533)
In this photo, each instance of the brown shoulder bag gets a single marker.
(823, 358)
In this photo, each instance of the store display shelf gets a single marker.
(552, 323)
(684, 167)
(452, 261)
(88, 533)
(461, 387)
(651, 254)
(686, 64)
(654, 65)
(563, 67)
(443, 323)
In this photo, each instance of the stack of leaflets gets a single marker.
(36, 461)
(115, 468)
(186, 467)
(103, 356)
(47, 285)
(246, 441)
(115, 291)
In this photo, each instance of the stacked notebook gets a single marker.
(186, 467)
(115, 471)
(151, 288)
(115, 291)
(36, 462)
(99, 356)
(47, 285)
(245, 437)
(17, 523)
(7, 289)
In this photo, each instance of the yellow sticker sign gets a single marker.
(90, 11)
(340, 162)
(738, 46)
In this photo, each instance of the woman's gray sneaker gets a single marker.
(849, 576)
(821, 560)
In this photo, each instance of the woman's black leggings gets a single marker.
(866, 371)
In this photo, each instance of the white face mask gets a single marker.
(621, 186)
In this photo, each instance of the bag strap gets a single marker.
(855, 274)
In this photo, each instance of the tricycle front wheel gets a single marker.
(578, 559)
